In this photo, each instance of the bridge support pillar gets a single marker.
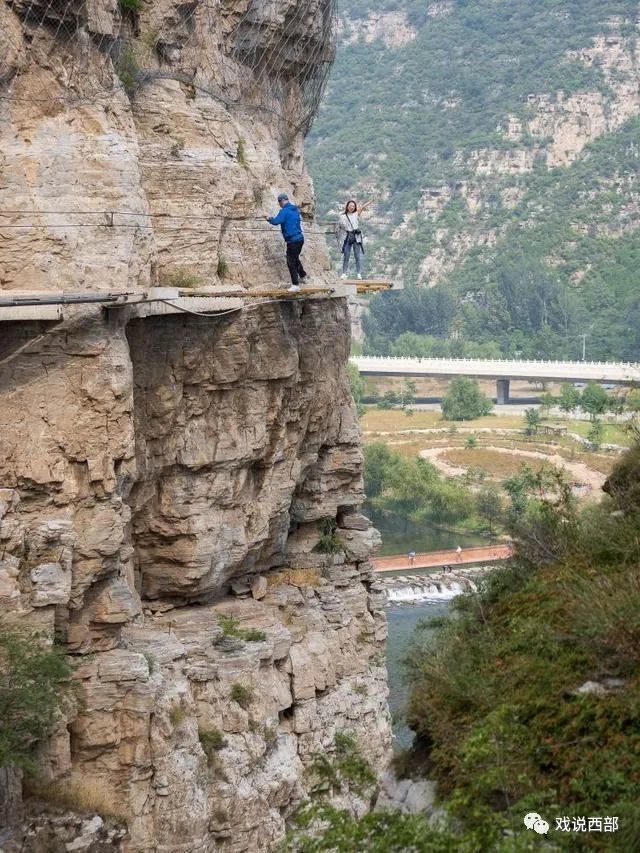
(502, 391)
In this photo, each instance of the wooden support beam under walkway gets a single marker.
(16, 305)
(371, 286)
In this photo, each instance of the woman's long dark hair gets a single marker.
(351, 201)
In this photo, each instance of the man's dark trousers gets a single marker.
(296, 270)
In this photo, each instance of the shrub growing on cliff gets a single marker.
(128, 70)
(129, 6)
(211, 740)
(231, 628)
(241, 694)
(177, 714)
(344, 769)
(329, 542)
(31, 695)
(320, 826)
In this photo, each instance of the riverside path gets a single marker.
(434, 559)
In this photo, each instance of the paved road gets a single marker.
(400, 562)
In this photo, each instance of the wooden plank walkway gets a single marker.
(269, 293)
(371, 286)
(49, 305)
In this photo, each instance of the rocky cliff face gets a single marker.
(138, 147)
(166, 482)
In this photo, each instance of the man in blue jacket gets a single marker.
(289, 221)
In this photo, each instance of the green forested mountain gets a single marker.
(501, 141)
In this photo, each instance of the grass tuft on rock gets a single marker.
(242, 694)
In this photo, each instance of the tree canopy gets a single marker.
(465, 401)
(31, 695)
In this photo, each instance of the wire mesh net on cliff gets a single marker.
(272, 56)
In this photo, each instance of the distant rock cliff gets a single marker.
(164, 482)
(458, 112)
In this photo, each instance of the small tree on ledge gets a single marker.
(31, 697)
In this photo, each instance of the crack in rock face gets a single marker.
(167, 483)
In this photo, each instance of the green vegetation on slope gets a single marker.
(516, 297)
(509, 300)
(529, 699)
(399, 122)
(487, 56)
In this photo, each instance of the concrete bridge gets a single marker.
(502, 371)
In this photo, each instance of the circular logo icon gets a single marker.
(530, 819)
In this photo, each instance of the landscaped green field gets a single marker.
(396, 421)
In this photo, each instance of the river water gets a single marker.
(403, 620)
(404, 617)
(419, 538)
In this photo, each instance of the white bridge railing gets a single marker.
(601, 371)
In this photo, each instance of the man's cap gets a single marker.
(283, 197)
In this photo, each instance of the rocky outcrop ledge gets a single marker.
(198, 739)
(171, 529)
(164, 482)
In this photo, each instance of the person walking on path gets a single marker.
(291, 226)
(412, 557)
(350, 236)
(459, 553)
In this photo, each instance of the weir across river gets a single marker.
(432, 586)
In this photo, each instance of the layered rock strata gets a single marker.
(178, 494)
(166, 479)
(146, 148)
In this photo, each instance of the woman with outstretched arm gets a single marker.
(350, 236)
